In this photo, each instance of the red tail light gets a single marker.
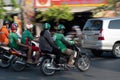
(101, 37)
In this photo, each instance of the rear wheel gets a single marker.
(44, 67)
(18, 64)
(116, 50)
(97, 53)
(5, 60)
(4, 63)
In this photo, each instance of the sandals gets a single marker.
(29, 62)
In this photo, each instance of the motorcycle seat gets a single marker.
(45, 51)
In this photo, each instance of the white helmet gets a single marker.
(29, 26)
(75, 27)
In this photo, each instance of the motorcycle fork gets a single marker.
(52, 60)
(10, 58)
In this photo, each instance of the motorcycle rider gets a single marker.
(46, 42)
(61, 42)
(15, 43)
(27, 37)
(4, 33)
(75, 34)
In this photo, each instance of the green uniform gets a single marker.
(13, 38)
(26, 34)
(58, 41)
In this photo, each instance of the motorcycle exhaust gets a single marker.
(53, 68)
(19, 62)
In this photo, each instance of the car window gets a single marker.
(93, 25)
(114, 24)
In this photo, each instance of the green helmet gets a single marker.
(61, 27)
(47, 26)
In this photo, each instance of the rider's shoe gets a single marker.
(36, 62)
(29, 62)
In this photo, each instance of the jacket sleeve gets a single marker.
(67, 42)
(30, 36)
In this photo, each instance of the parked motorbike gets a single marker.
(5, 56)
(81, 62)
(19, 62)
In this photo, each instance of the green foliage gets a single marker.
(3, 12)
(14, 3)
(56, 14)
(113, 2)
(110, 6)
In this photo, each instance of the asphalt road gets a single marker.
(102, 68)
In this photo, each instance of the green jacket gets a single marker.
(26, 34)
(61, 42)
(13, 38)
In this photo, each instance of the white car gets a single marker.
(102, 34)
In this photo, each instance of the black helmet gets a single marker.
(5, 22)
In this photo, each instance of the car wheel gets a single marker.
(116, 50)
(97, 53)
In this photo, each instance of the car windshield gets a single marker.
(93, 25)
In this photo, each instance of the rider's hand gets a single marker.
(76, 42)
(28, 46)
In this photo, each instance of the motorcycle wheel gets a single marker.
(44, 64)
(83, 63)
(17, 65)
(5, 62)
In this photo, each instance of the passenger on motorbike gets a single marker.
(15, 43)
(47, 44)
(26, 39)
(61, 42)
(4, 33)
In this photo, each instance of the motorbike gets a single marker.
(5, 56)
(19, 62)
(81, 62)
(8, 55)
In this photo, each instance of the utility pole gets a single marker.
(22, 4)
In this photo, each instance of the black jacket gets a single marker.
(46, 42)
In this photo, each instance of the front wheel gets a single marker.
(83, 63)
(18, 64)
(116, 50)
(44, 67)
(5, 60)
(4, 63)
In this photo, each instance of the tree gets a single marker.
(56, 14)
(3, 12)
(113, 1)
